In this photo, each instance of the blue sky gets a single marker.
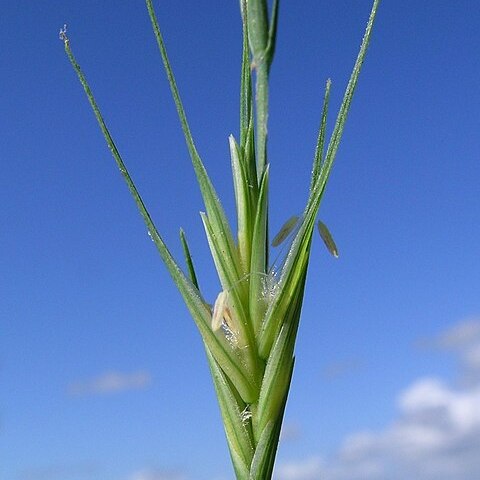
(102, 372)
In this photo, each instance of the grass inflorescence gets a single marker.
(249, 332)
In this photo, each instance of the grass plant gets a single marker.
(249, 333)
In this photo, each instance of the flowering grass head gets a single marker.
(250, 330)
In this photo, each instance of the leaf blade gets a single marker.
(321, 137)
(188, 259)
(259, 257)
(212, 203)
(191, 295)
(243, 203)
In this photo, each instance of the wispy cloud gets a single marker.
(60, 472)
(339, 369)
(464, 340)
(110, 382)
(290, 431)
(436, 435)
(155, 474)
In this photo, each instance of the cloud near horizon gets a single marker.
(436, 435)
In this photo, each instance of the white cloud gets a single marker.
(436, 435)
(308, 469)
(110, 382)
